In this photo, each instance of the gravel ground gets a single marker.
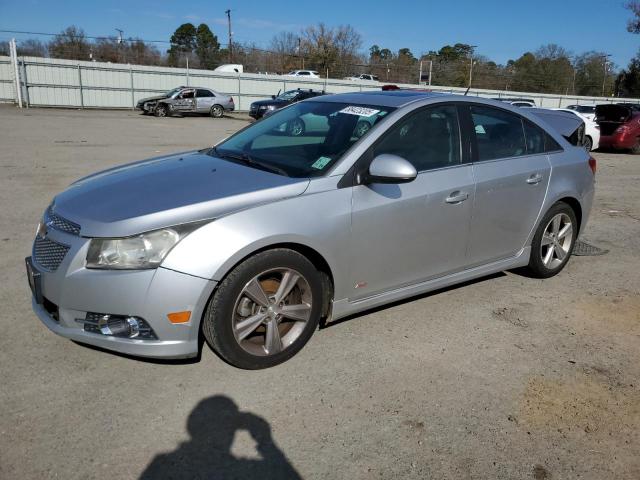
(506, 377)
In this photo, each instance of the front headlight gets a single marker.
(143, 251)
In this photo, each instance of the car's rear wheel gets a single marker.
(265, 310)
(161, 111)
(588, 144)
(553, 241)
(216, 111)
(295, 127)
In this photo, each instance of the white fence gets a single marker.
(69, 83)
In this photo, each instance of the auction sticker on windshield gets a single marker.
(360, 111)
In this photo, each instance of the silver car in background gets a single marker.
(187, 100)
(257, 240)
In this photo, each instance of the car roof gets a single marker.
(388, 98)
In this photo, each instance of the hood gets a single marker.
(150, 99)
(168, 191)
(265, 103)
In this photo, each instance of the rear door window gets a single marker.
(204, 93)
(499, 134)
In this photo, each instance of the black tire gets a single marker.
(162, 111)
(296, 127)
(588, 143)
(216, 111)
(635, 150)
(536, 267)
(217, 323)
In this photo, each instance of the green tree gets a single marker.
(207, 47)
(183, 44)
(627, 83)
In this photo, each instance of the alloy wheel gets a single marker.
(272, 311)
(556, 241)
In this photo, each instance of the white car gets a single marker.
(303, 73)
(364, 76)
(588, 111)
(591, 132)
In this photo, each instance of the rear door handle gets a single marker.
(457, 197)
(534, 179)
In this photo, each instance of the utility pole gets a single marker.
(300, 53)
(228, 12)
(471, 63)
(604, 75)
(420, 74)
(430, 70)
(120, 40)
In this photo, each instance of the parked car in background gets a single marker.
(187, 100)
(255, 241)
(229, 68)
(364, 76)
(303, 73)
(518, 102)
(619, 127)
(588, 111)
(261, 108)
(591, 132)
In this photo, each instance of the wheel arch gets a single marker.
(575, 205)
(313, 255)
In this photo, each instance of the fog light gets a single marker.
(121, 326)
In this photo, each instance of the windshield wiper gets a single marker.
(248, 160)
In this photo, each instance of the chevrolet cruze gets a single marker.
(255, 241)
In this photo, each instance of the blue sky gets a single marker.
(502, 29)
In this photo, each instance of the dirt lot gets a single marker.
(507, 377)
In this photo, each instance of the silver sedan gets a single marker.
(188, 100)
(256, 241)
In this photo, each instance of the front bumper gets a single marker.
(71, 291)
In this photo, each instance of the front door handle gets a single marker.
(534, 179)
(456, 197)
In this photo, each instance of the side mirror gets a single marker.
(389, 168)
(273, 97)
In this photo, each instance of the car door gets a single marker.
(511, 172)
(405, 233)
(186, 101)
(204, 100)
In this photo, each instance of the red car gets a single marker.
(619, 127)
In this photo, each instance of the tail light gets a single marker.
(593, 165)
(232, 100)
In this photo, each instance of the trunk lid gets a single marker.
(610, 117)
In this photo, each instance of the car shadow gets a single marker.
(212, 426)
(380, 308)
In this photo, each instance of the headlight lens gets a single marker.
(144, 251)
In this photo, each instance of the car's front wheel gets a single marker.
(265, 310)
(588, 143)
(161, 111)
(553, 241)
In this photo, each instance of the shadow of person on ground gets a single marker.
(207, 455)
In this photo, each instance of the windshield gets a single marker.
(304, 139)
(290, 95)
(171, 93)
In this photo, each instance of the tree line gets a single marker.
(337, 51)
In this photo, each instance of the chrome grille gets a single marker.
(59, 223)
(49, 254)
